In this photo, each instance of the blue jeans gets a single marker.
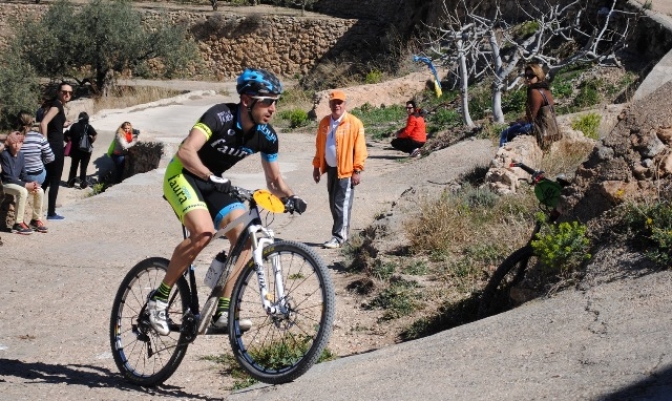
(38, 177)
(513, 131)
(119, 161)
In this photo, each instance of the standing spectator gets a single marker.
(35, 149)
(535, 78)
(78, 155)
(340, 151)
(52, 124)
(412, 137)
(14, 183)
(125, 138)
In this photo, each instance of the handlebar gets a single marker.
(246, 195)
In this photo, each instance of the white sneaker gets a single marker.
(332, 244)
(415, 152)
(223, 323)
(157, 316)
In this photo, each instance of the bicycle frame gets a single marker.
(259, 237)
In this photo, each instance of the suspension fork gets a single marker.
(271, 305)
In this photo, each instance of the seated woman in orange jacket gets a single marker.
(412, 137)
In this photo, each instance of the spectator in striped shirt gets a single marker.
(35, 149)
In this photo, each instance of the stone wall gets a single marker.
(292, 45)
(287, 45)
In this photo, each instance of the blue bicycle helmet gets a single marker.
(258, 82)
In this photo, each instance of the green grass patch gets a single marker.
(589, 124)
(400, 299)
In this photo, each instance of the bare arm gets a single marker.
(188, 154)
(51, 113)
(274, 179)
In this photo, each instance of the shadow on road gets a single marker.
(86, 375)
(657, 387)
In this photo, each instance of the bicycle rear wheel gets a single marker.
(280, 347)
(143, 356)
(496, 296)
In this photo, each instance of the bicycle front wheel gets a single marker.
(143, 356)
(280, 346)
(496, 296)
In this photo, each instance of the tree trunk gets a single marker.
(497, 114)
(464, 85)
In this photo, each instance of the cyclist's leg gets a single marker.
(227, 215)
(187, 201)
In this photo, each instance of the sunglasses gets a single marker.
(266, 101)
(66, 92)
(409, 108)
(530, 76)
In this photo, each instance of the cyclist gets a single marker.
(224, 135)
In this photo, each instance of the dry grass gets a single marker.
(566, 159)
(126, 96)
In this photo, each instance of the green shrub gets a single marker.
(588, 124)
(296, 117)
(514, 101)
(373, 77)
(563, 247)
(588, 95)
(444, 118)
(651, 229)
(564, 89)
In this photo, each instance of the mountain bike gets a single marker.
(285, 290)
(498, 293)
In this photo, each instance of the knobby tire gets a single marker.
(495, 297)
(143, 356)
(278, 348)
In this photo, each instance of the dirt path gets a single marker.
(59, 286)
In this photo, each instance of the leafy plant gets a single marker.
(296, 117)
(102, 38)
(19, 86)
(373, 77)
(588, 124)
(588, 95)
(651, 228)
(562, 247)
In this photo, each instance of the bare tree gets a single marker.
(455, 43)
(500, 47)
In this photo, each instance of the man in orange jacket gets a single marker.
(412, 137)
(340, 151)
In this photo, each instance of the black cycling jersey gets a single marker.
(227, 144)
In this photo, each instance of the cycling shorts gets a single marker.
(186, 192)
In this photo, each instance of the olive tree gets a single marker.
(100, 38)
(19, 86)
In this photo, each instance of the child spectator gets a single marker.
(14, 183)
(35, 149)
